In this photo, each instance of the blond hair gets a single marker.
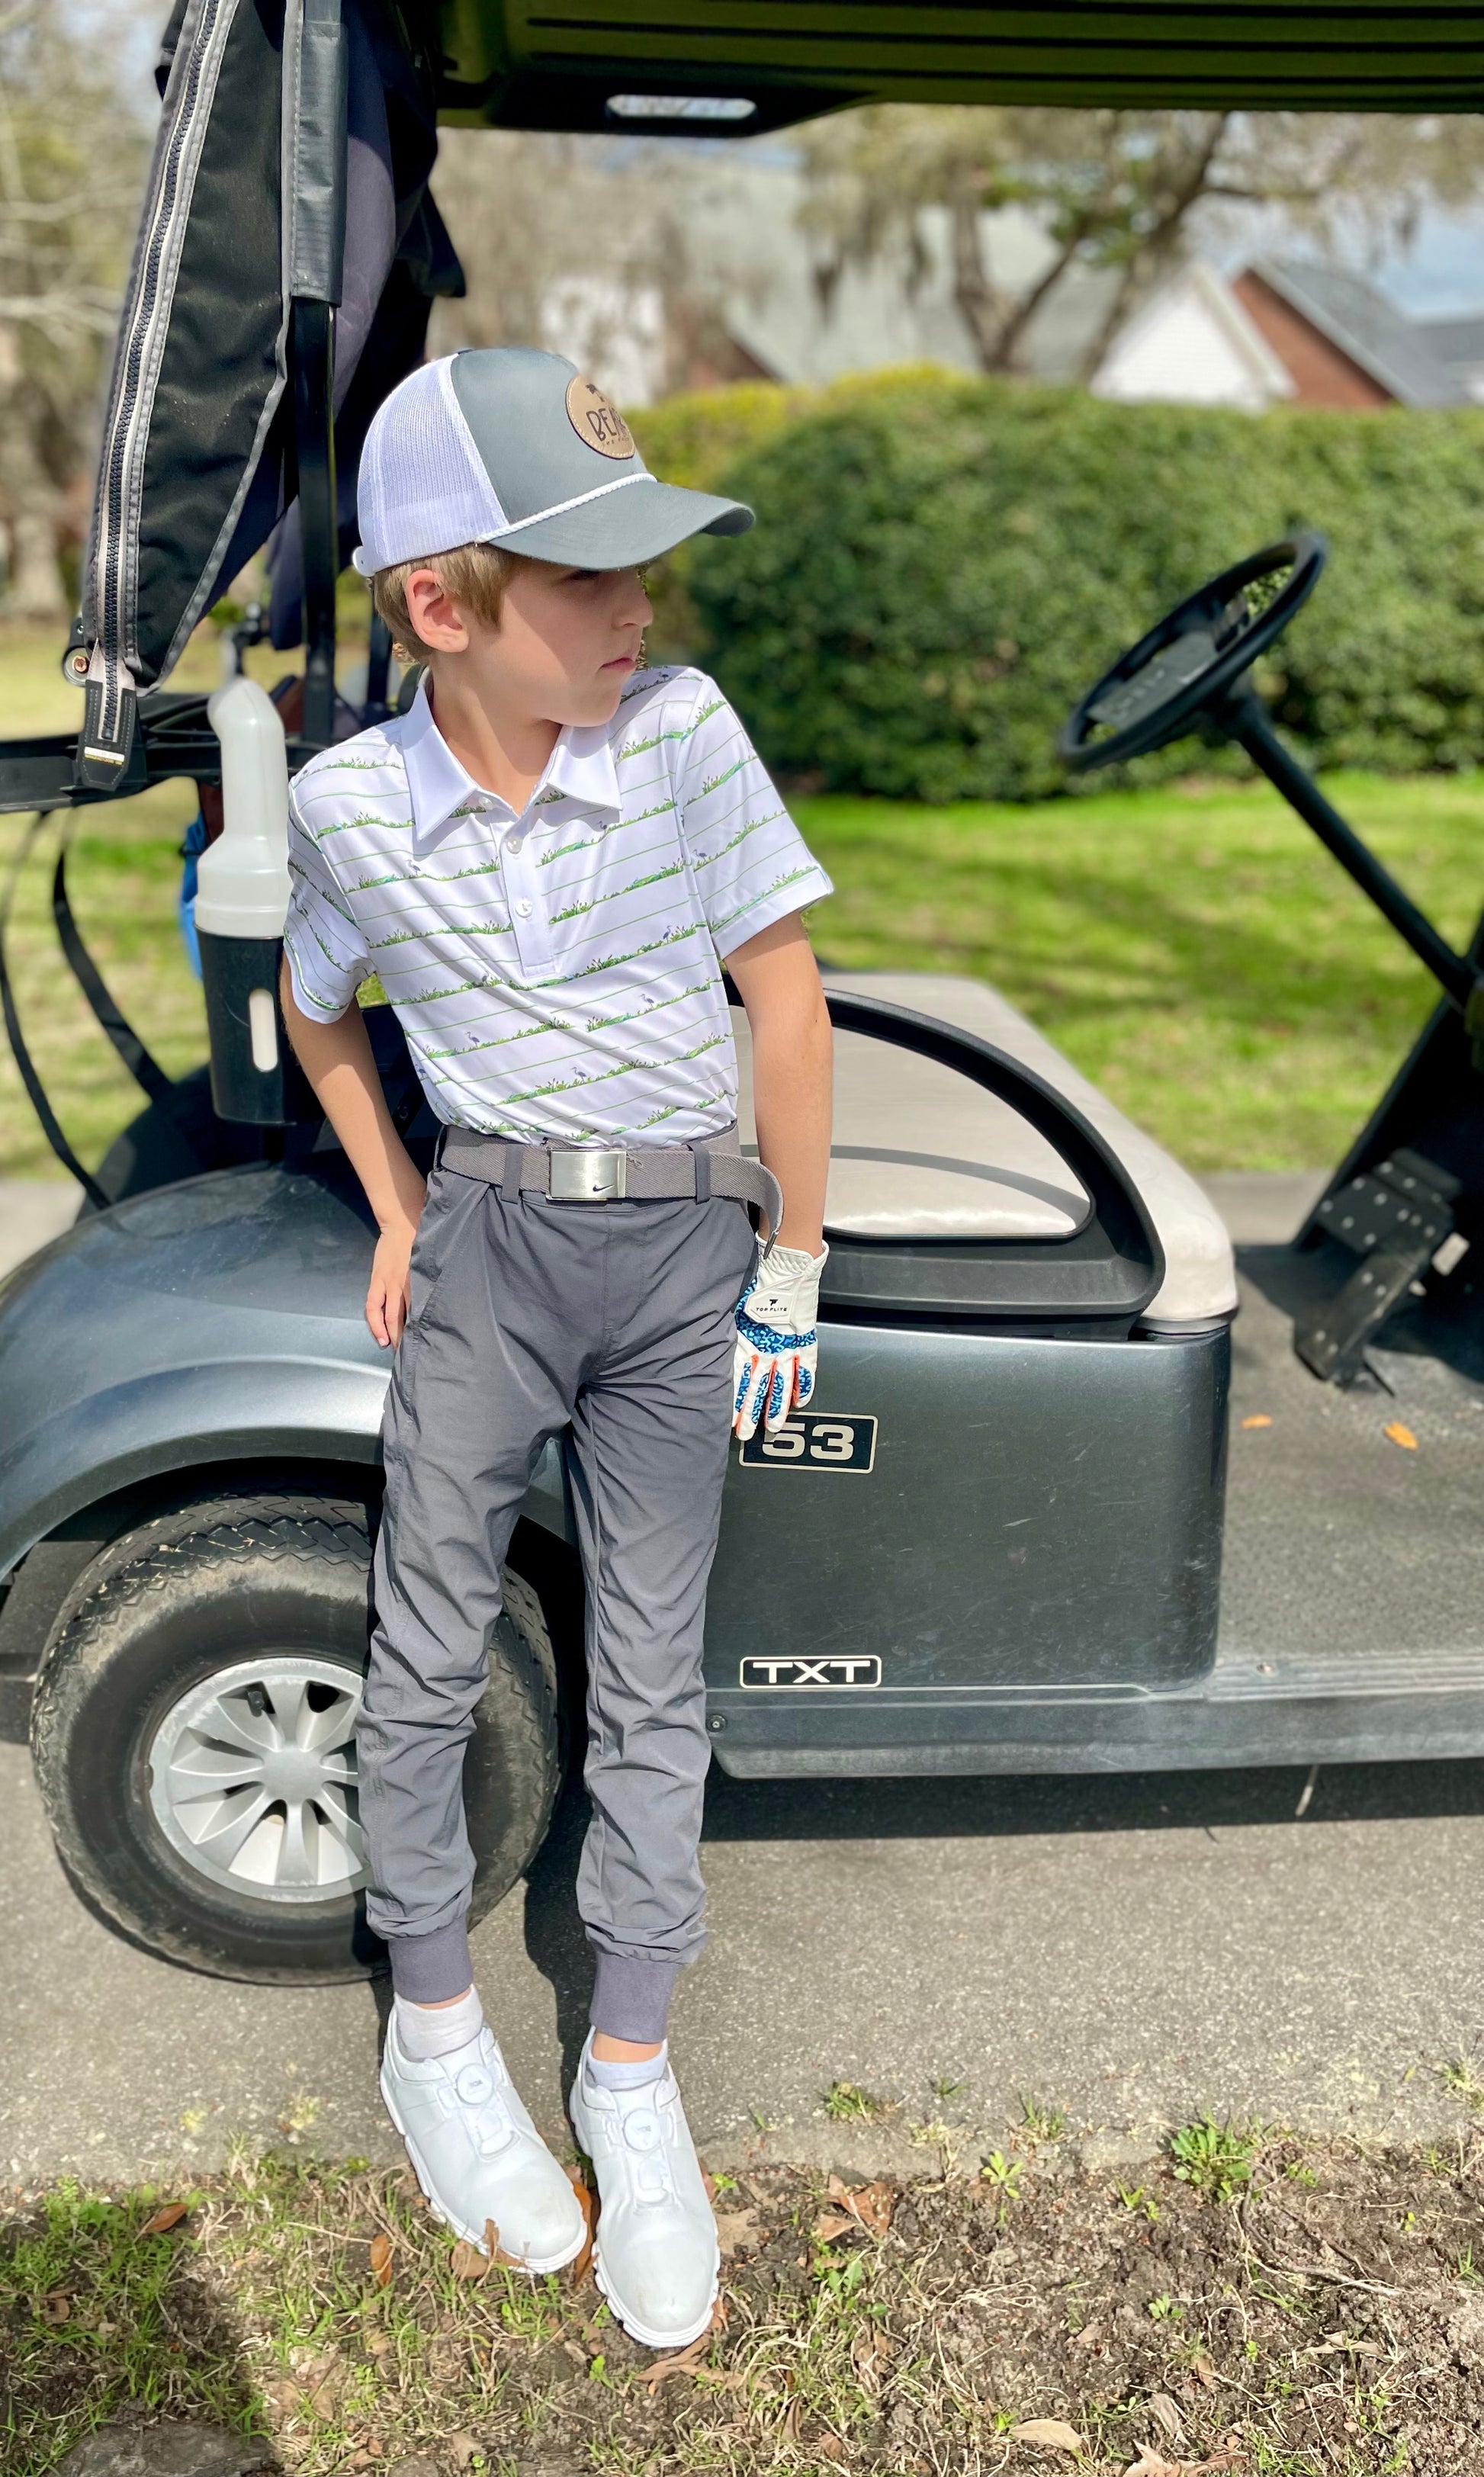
(476, 574)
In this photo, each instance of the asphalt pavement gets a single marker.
(1130, 1950)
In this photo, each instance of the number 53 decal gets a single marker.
(818, 1441)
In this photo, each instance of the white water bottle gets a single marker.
(242, 902)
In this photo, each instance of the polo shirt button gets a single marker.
(514, 843)
(523, 908)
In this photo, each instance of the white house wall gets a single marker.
(1193, 343)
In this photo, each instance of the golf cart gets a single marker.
(1004, 1538)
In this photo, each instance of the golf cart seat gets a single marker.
(920, 1153)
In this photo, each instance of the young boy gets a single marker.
(547, 860)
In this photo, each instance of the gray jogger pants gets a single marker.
(528, 1316)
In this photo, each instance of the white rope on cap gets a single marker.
(623, 482)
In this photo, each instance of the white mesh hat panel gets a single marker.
(422, 486)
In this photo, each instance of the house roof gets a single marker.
(1399, 353)
(1458, 342)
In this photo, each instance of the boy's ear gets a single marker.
(433, 612)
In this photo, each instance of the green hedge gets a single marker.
(942, 565)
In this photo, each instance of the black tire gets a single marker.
(206, 1590)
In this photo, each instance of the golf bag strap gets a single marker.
(713, 1167)
(51, 1127)
(147, 1072)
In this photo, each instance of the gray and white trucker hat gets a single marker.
(504, 445)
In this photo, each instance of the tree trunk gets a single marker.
(34, 508)
(1016, 326)
(35, 587)
(981, 305)
(1160, 245)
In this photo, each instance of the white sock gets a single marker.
(428, 2030)
(629, 2073)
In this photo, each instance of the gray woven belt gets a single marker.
(582, 1174)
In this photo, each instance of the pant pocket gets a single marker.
(451, 1202)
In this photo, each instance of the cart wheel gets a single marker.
(193, 1739)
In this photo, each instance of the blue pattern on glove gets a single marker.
(768, 1338)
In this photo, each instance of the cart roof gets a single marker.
(559, 64)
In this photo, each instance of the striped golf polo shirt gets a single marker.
(557, 973)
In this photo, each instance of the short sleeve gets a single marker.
(752, 867)
(327, 953)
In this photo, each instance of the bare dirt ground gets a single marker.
(1241, 2302)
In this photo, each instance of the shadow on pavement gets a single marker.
(937, 1809)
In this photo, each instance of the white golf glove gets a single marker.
(777, 1346)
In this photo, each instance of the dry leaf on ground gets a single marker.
(1049, 2433)
(830, 2447)
(57, 2306)
(1400, 1434)
(1089, 2335)
(322, 2383)
(380, 2260)
(831, 2224)
(873, 2205)
(1162, 2406)
(468, 2263)
(736, 2229)
(168, 2215)
(582, 2262)
(870, 2353)
(686, 2361)
(1153, 2464)
(1205, 2372)
(691, 2359)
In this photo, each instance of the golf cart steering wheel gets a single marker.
(1192, 659)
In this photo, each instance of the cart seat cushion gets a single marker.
(920, 1152)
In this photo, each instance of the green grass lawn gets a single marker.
(1191, 948)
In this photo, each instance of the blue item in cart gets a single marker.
(192, 849)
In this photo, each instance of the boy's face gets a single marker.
(567, 639)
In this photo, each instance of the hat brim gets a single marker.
(626, 528)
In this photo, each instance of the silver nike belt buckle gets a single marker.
(589, 1177)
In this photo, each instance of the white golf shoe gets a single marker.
(656, 2254)
(477, 2154)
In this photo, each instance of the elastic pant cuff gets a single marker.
(432, 1968)
(631, 1997)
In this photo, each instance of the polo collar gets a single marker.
(580, 777)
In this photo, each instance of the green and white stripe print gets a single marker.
(557, 974)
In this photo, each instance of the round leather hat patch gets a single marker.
(597, 422)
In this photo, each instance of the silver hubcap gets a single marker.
(253, 1778)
